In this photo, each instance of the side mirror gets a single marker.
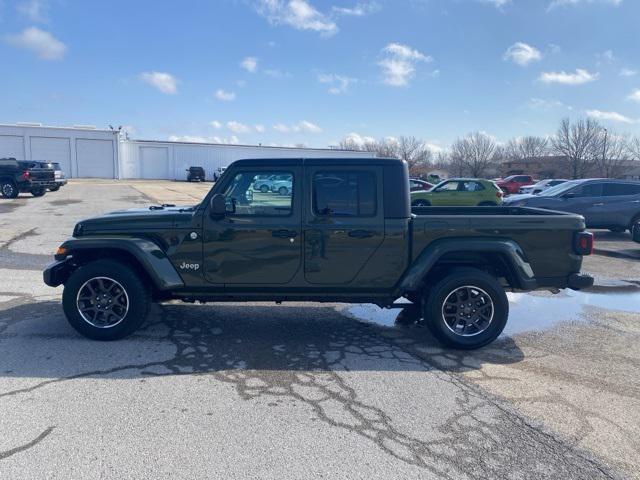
(218, 205)
(636, 232)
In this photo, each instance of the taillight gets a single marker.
(583, 243)
(25, 175)
(499, 194)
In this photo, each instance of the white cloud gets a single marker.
(607, 56)
(303, 126)
(627, 72)
(337, 83)
(357, 139)
(398, 67)
(635, 96)
(497, 3)
(260, 128)
(250, 64)
(35, 10)
(199, 139)
(275, 73)
(522, 54)
(164, 82)
(225, 96)
(237, 127)
(216, 124)
(567, 3)
(609, 116)
(544, 105)
(580, 77)
(358, 10)
(42, 43)
(298, 14)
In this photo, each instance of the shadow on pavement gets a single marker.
(36, 341)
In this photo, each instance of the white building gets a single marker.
(85, 152)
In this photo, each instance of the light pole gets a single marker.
(604, 152)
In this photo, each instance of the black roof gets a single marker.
(261, 162)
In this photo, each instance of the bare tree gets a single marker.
(413, 151)
(473, 154)
(611, 152)
(634, 148)
(576, 143)
(527, 147)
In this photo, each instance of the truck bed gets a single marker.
(546, 235)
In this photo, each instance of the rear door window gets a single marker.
(620, 189)
(471, 186)
(346, 194)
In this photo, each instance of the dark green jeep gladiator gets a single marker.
(343, 232)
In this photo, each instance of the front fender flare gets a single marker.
(509, 249)
(150, 256)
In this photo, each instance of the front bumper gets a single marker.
(580, 281)
(56, 273)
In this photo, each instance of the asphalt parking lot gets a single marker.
(307, 391)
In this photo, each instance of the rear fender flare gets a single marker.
(430, 256)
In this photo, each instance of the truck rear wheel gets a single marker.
(467, 309)
(8, 189)
(105, 300)
(38, 192)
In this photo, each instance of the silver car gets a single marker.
(541, 186)
(604, 203)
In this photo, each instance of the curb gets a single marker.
(616, 254)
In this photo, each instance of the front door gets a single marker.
(259, 240)
(344, 222)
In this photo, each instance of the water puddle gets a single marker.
(527, 311)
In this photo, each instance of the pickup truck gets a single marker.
(345, 234)
(17, 176)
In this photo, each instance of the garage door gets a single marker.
(52, 149)
(12, 146)
(154, 162)
(95, 158)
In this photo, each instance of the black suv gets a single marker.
(195, 174)
(25, 176)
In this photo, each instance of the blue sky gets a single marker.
(312, 72)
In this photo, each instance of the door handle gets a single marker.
(598, 204)
(360, 234)
(284, 233)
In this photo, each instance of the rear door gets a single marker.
(258, 242)
(619, 204)
(343, 221)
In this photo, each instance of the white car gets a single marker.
(541, 186)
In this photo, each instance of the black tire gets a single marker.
(635, 220)
(137, 295)
(421, 203)
(461, 280)
(54, 189)
(283, 191)
(264, 188)
(38, 192)
(487, 204)
(617, 229)
(8, 189)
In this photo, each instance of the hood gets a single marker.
(136, 220)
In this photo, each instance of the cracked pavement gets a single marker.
(253, 390)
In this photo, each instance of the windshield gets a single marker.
(563, 187)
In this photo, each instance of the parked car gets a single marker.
(604, 203)
(459, 192)
(280, 184)
(60, 177)
(24, 176)
(195, 174)
(514, 183)
(542, 185)
(415, 184)
(351, 236)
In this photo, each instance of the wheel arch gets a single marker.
(500, 258)
(142, 255)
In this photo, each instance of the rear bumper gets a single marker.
(56, 273)
(36, 184)
(579, 281)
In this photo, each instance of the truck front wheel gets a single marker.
(467, 309)
(105, 300)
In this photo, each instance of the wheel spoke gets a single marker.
(467, 310)
(102, 302)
